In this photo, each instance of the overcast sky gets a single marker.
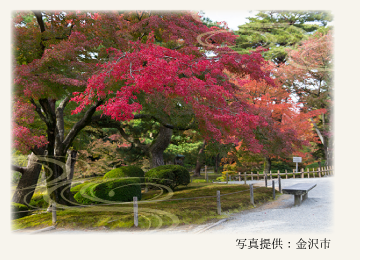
(232, 17)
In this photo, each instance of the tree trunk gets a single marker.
(199, 160)
(156, 150)
(267, 164)
(216, 167)
(28, 181)
(70, 162)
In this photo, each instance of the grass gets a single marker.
(177, 210)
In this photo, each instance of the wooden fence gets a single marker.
(320, 172)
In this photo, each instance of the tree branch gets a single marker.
(18, 168)
(80, 125)
(38, 109)
(38, 15)
(60, 119)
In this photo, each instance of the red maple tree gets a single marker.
(106, 61)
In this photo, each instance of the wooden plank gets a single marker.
(135, 207)
(299, 188)
(273, 189)
(54, 213)
(251, 193)
(218, 202)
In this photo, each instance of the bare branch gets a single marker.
(18, 168)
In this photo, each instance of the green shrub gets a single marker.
(125, 171)
(169, 175)
(77, 187)
(38, 201)
(18, 210)
(122, 190)
(228, 173)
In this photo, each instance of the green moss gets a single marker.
(169, 175)
(18, 210)
(198, 181)
(159, 213)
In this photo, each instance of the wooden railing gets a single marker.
(320, 172)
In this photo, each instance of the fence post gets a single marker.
(258, 175)
(218, 202)
(270, 175)
(286, 173)
(280, 183)
(251, 176)
(265, 178)
(308, 173)
(251, 192)
(53, 213)
(135, 208)
(273, 189)
(319, 173)
(314, 174)
(239, 176)
(245, 178)
(294, 173)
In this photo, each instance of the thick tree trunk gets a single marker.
(267, 164)
(156, 150)
(199, 160)
(28, 181)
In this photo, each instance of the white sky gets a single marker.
(234, 18)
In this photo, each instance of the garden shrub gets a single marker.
(38, 201)
(228, 173)
(221, 178)
(77, 187)
(118, 190)
(125, 171)
(169, 175)
(17, 210)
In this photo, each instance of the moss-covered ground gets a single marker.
(156, 209)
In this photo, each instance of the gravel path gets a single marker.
(279, 216)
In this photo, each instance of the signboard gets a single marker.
(297, 159)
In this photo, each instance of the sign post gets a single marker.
(297, 160)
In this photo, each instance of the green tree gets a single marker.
(278, 30)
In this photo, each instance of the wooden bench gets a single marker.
(298, 190)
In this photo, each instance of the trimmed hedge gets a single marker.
(122, 190)
(16, 208)
(125, 171)
(169, 175)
